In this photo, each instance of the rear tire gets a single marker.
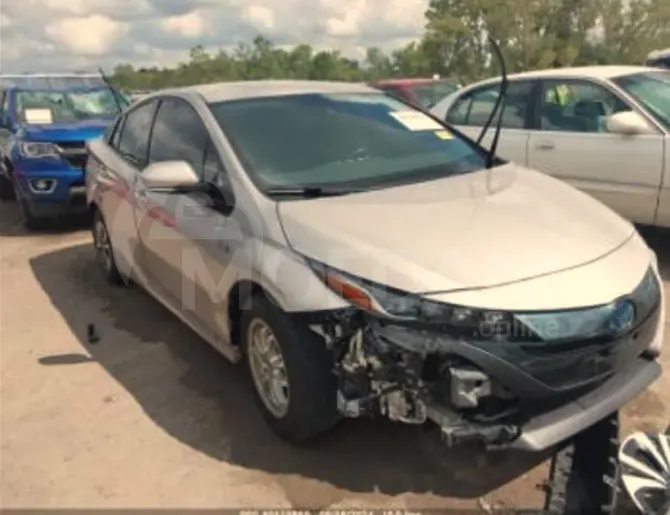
(104, 251)
(306, 404)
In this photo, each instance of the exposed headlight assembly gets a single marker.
(385, 302)
(35, 149)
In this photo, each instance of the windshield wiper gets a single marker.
(311, 192)
(498, 108)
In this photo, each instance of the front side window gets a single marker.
(134, 137)
(577, 106)
(359, 141)
(652, 91)
(474, 108)
(179, 134)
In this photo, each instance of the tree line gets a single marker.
(533, 34)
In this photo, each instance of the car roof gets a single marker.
(226, 91)
(659, 54)
(604, 71)
(409, 81)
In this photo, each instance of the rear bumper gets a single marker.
(560, 424)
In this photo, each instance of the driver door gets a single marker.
(184, 235)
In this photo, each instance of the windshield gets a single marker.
(53, 106)
(652, 90)
(341, 141)
(431, 93)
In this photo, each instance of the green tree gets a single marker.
(533, 34)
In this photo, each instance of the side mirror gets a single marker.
(171, 175)
(628, 123)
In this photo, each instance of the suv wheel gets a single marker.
(104, 251)
(291, 370)
(6, 188)
(29, 220)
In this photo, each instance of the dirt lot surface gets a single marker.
(152, 417)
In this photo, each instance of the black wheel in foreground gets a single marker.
(583, 473)
(104, 252)
(6, 188)
(30, 221)
(291, 371)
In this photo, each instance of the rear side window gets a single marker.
(179, 134)
(474, 108)
(134, 138)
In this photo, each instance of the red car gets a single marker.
(423, 93)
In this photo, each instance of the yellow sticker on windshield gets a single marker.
(444, 135)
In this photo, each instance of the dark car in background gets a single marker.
(424, 93)
(659, 58)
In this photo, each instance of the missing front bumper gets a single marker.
(381, 371)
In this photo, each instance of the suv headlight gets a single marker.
(383, 301)
(35, 149)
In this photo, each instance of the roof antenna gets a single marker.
(498, 108)
(113, 91)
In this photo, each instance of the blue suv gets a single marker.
(43, 135)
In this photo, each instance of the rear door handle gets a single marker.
(545, 145)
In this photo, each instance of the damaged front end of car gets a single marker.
(486, 376)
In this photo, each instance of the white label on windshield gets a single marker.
(416, 121)
(38, 116)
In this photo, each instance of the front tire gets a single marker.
(104, 251)
(29, 220)
(6, 188)
(291, 371)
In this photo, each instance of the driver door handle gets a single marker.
(545, 145)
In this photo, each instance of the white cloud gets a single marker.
(59, 34)
(259, 16)
(191, 25)
(87, 36)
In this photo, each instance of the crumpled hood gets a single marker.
(458, 232)
(84, 130)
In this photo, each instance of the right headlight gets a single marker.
(592, 322)
(37, 149)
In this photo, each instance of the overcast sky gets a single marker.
(52, 35)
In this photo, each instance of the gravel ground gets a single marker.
(151, 416)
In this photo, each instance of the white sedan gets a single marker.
(368, 261)
(603, 129)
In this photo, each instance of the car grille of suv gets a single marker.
(74, 152)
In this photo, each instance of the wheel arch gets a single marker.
(238, 300)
